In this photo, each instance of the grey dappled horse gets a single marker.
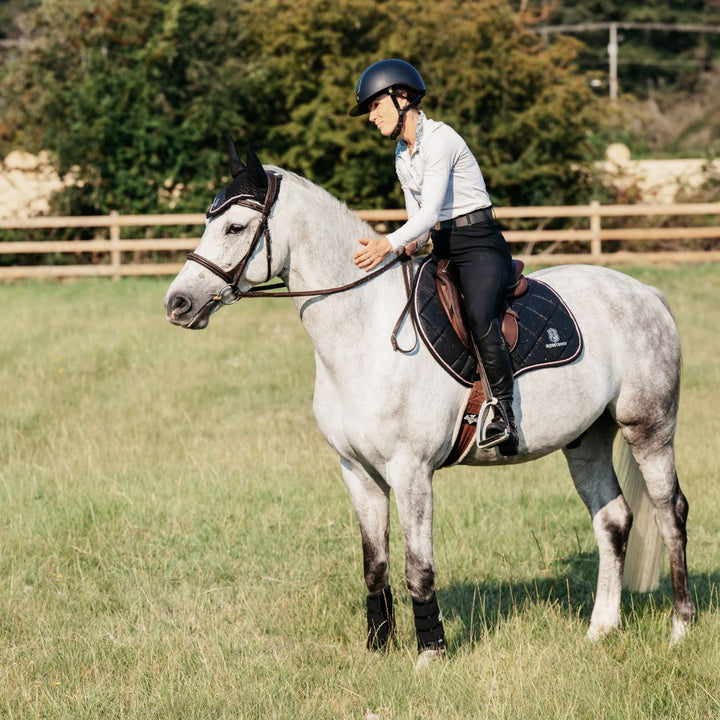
(391, 416)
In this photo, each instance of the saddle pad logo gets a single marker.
(554, 338)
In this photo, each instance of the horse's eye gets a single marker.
(235, 229)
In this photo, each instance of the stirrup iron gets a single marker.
(491, 406)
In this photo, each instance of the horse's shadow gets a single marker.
(482, 606)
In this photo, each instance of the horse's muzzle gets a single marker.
(180, 310)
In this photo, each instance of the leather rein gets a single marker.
(231, 293)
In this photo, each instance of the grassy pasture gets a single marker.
(176, 542)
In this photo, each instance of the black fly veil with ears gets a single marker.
(249, 182)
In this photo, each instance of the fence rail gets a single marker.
(111, 251)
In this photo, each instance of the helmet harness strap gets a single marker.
(401, 112)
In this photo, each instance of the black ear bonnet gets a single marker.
(249, 182)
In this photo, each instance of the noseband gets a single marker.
(231, 293)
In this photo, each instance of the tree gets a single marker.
(130, 96)
(525, 110)
(141, 96)
(12, 13)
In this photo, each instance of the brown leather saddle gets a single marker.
(448, 289)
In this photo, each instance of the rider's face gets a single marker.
(384, 115)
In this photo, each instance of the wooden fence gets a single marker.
(539, 246)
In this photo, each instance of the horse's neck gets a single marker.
(322, 239)
(347, 329)
(322, 236)
(319, 236)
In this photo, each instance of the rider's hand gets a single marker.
(410, 248)
(372, 252)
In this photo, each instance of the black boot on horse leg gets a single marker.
(429, 630)
(495, 358)
(380, 620)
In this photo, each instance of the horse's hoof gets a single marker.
(376, 714)
(427, 657)
(679, 630)
(598, 632)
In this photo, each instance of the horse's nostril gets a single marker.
(178, 306)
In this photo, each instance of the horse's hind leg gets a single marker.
(683, 606)
(655, 456)
(590, 463)
(646, 411)
(371, 500)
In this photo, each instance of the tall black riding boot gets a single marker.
(496, 360)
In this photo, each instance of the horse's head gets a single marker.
(234, 252)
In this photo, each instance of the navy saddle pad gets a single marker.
(548, 334)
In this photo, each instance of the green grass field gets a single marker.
(176, 541)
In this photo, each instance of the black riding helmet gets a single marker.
(388, 76)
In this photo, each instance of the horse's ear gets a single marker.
(236, 164)
(255, 168)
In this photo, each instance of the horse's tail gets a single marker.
(644, 556)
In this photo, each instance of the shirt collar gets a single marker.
(402, 146)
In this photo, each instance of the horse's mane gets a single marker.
(332, 210)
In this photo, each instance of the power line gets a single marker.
(612, 28)
(669, 27)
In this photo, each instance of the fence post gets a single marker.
(115, 254)
(595, 226)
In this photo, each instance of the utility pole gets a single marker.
(613, 58)
(613, 47)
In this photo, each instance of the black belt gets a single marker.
(482, 215)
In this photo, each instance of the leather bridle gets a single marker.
(231, 293)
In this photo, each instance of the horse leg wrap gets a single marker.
(428, 625)
(380, 619)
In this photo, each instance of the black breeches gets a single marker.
(484, 264)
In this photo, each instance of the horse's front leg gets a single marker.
(412, 484)
(370, 497)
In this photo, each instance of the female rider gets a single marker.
(446, 198)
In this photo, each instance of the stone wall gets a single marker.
(27, 183)
(654, 181)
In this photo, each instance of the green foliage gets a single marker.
(312, 67)
(140, 97)
(122, 93)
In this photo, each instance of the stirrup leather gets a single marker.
(491, 406)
